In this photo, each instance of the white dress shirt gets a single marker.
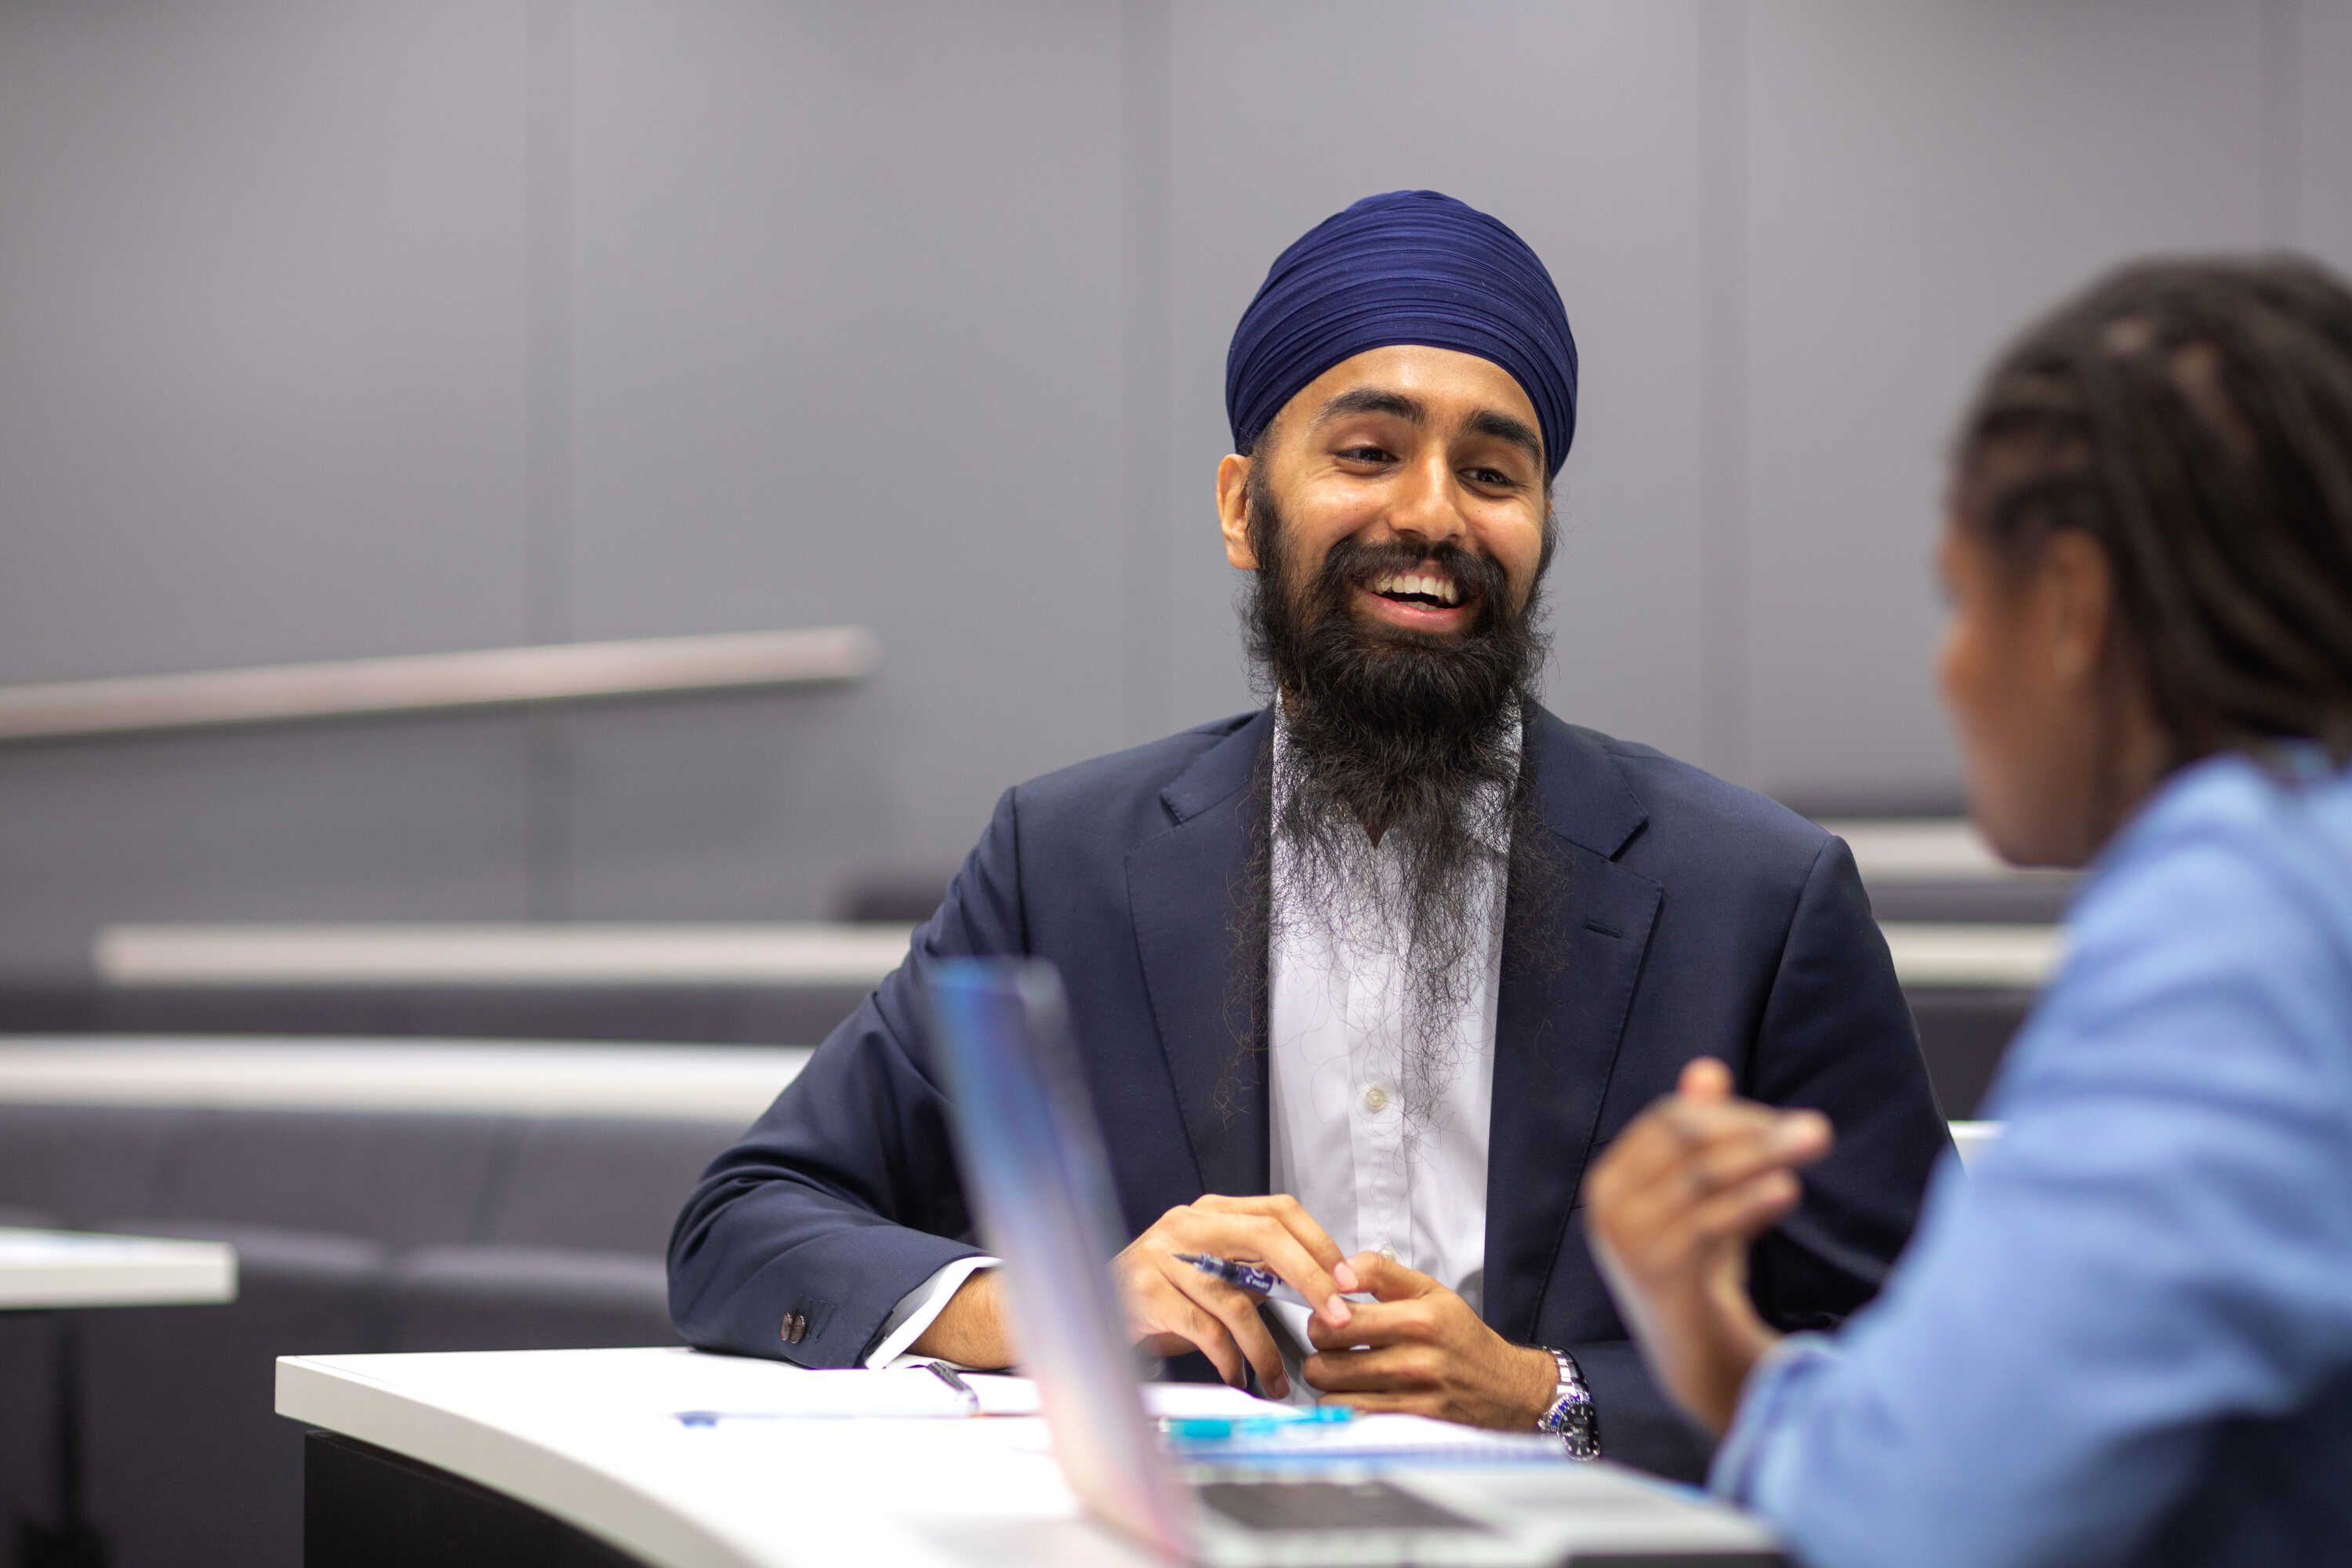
(1383, 1161)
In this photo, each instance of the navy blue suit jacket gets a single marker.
(1697, 919)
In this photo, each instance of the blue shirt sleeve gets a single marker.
(2158, 1243)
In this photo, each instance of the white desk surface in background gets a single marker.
(491, 1078)
(1965, 955)
(47, 1268)
(1927, 849)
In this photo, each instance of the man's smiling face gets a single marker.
(1425, 465)
(1395, 516)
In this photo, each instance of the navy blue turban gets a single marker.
(1409, 267)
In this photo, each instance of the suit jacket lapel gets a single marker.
(1180, 890)
(1559, 1017)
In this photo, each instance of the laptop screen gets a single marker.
(1032, 1161)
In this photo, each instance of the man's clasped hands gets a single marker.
(1414, 1347)
(1669, 1208)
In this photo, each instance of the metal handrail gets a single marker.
(431, 683)
(484, 954)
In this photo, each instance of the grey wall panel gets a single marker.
(1923, 178)
(760, 807)
(847, 287)
(1577, 124)
(331, 330)
(2317, 34)
(262, 295)
(260, 316)
(420, 821)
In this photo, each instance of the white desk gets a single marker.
(1971, 1139)
(1968, 956)
(50, 1270)
(590, 1439)
(1928, 848)
(40, 1270)
(720, 1084)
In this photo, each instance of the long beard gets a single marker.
(1407, 738)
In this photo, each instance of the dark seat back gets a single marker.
(404, 1180)
(601, 1184)
(83, 1164)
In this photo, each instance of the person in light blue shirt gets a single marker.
(2124, 1335)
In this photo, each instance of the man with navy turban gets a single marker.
(1363, 978)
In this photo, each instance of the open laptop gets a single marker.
(1033, 1162)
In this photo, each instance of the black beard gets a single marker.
(1407, 738)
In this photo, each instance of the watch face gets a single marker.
(1570, 1415)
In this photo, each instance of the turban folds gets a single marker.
(1408, 266)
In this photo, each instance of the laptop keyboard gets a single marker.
(1328, 1506)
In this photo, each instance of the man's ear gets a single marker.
(2078, 590)
(1233, 511)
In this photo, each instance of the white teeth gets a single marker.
(1439, 588)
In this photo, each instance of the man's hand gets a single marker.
(1172, 1307)
(1421, 1350)
(1670, 1210)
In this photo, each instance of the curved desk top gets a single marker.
(591, 1438)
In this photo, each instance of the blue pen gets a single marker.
(1256, 1278)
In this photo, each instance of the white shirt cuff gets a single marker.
(918, 1308)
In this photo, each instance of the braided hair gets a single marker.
(2194, 417)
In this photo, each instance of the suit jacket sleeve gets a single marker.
(845, 1195)
(1835, 1035)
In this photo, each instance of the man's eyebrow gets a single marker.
(1503, 427)
(1373, 400)
(1488, 422)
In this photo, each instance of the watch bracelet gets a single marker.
(1569, 1416)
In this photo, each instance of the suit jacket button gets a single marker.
(795, 1328)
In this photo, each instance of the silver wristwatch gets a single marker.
(1569, 1416)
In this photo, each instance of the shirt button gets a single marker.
(1376, 1100)
(1390, 1253)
